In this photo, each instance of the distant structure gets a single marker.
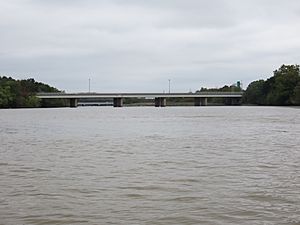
(160, 99)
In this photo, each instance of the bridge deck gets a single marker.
(140, 95)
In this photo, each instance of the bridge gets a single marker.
(160, 99)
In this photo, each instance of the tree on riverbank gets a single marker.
(283, 88)
(21, 93)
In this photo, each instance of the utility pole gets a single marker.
(169, 85)
(89, 85)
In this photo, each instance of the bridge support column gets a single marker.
(160, 102)
(73, 102)
(118, 102)
(200, 101)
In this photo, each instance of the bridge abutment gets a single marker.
(160, 102)
(200, 101)
(118, 102)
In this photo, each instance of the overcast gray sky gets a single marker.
(137, 45)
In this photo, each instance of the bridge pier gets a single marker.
(118, 102)
(73, 102)
(160, 102)
(200, 101)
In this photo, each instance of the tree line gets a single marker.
(22, 93)
(282, 89)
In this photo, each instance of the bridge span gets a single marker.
(160, 99)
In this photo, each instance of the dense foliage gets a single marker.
(21, 93)
(283, 88)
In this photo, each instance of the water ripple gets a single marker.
(98, 165)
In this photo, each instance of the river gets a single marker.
(147, 165)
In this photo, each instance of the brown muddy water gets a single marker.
(146, 165)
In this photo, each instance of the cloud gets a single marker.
(138, 45)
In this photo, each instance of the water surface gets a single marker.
(146, 165)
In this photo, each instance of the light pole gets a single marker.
(89, 85)
(169, 85)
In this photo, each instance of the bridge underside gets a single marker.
(233, 101)
(118, 102)
(200, 101)
(162, 101)
(73, 102)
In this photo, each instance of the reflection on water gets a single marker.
(177, 165)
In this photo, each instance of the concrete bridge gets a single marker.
(160, 99)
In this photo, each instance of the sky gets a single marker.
(139, 45)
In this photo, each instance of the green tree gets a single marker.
(5, 97)
(296, 97)
(280, 89)
(255, 93)
(21, 93)
(32, 102)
